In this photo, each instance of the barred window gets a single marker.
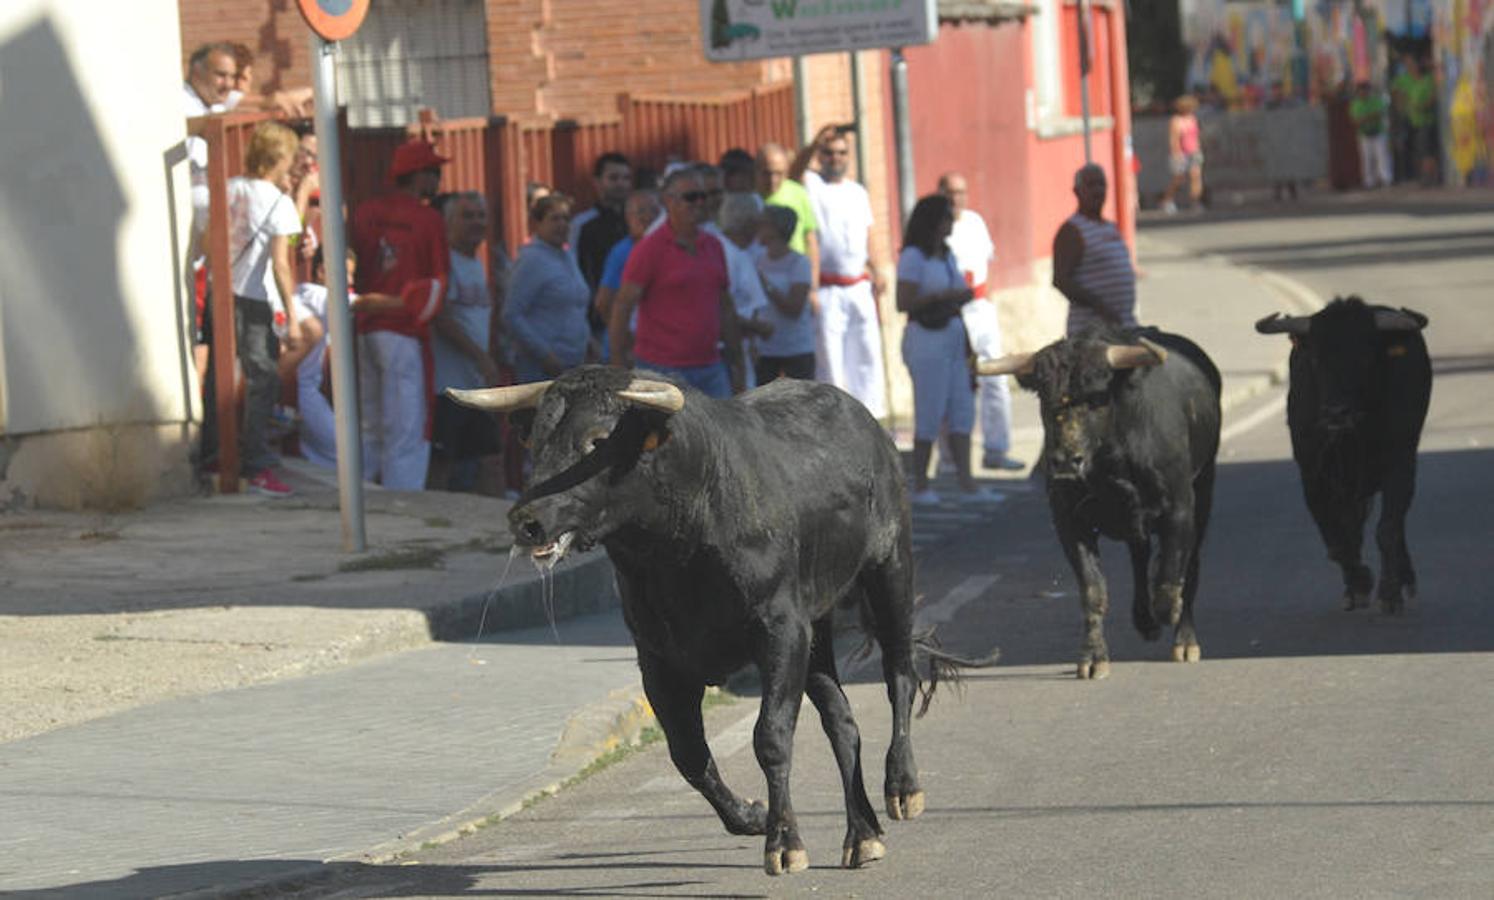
(411, 54)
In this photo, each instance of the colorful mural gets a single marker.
(1249, 54)
(1463, 35)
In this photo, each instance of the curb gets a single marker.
(590, 734)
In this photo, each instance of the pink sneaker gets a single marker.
(266, 483)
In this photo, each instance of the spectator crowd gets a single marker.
(724, 275)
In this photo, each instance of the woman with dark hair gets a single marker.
(931, 290)
(547, 297)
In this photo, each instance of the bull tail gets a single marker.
(943, 666)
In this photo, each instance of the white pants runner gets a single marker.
(848, 347)
(1374, 160)
(995, 397)
(392, 399)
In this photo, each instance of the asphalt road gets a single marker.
(1313, 752)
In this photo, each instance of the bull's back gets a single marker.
(1186, 389)
(833, 472)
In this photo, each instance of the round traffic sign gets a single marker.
(334, 20)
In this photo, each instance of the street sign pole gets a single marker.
(339, 316)
(907, 190)
(1084, 76)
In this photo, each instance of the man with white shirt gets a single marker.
(973, 251)
(848, 352)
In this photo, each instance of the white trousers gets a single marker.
(318, 421)
(848, 347)
(1374, 160)
(941, 380)
(392, 399)
(995, 397)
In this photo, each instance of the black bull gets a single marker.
(1131, 430)
(735, 528)
(1361, 382)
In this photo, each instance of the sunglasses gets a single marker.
(698, 196)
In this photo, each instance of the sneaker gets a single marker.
(1170, 208)
(994, 460)
(266, 483)
(925, 497)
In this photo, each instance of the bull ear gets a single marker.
(1135, 356)
(1276, 323)
(501, 399)
(660, 395)
(1011, 364)
(1399, 320)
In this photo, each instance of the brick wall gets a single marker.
(550, 58)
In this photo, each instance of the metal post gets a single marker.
(1084, 76)
(907, 190)
(801, 101)
(339, 317)
(861, 175)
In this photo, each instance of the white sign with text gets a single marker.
(735, 30)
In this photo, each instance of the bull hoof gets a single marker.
(1354, 600)
(858, 853)
(1392, 604)
(785, 862)
(908, 806)
(1094, 671)
(1186, 653)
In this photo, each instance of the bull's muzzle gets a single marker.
(526, 526)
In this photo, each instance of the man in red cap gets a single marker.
(400, 242)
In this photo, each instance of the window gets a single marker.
(1056, 61)
(411, 54)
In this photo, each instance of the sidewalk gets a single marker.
(128, 768)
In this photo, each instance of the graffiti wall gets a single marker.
(1246, 55)
(1463, 38)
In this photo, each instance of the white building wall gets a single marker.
(93, 212)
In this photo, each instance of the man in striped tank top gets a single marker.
(1091, 262)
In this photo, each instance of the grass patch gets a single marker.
(716, 697)
(398, 558)
(99, 534)
(437, 522)
(312, 576)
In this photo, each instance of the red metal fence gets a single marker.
(499, 158)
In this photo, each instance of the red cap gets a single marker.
(414, 155)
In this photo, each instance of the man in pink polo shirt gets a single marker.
(676, 279)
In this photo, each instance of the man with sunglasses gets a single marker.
(676, 277)
(848, 351)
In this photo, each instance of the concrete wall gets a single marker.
(92, 214)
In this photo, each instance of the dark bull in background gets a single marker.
(1361, 383)
(1130, 432)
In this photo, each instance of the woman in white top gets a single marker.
(789, 351)
(931, 290)
(261, 221)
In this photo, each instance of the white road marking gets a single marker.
(1268, 411)
(944, 609)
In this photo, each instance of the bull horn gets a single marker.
(660, 395)
(1276, 323)
(501, 399)
(1133, 356)
(1399, 320)
(1011, 364)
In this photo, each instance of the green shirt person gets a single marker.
(778, 189)
(1367, 109)
(1416, 96)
